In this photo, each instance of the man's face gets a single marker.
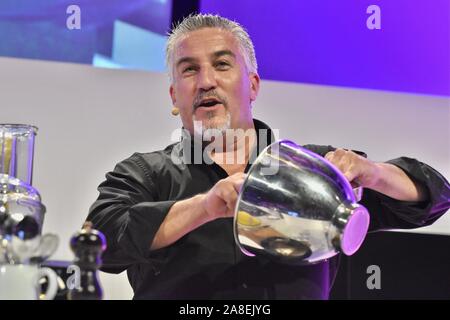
(211, 83)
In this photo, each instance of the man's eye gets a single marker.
(222, 65)
(188, 69)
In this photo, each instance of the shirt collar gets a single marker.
(188, 147)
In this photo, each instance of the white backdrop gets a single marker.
(89, 119)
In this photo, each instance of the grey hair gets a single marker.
(200, 21)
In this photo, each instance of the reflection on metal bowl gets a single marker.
(286, 247)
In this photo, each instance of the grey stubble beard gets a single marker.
(210, 129)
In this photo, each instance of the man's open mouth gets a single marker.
(210, 102)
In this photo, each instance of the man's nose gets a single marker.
(206, 79)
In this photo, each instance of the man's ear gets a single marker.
(254, 86)
(172, 94)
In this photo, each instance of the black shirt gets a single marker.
(206, 263)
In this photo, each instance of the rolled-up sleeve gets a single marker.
(389, 213)
(129, 214)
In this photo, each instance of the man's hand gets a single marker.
(358, 170)
(187, 215)
(382, 177)
(220, 201)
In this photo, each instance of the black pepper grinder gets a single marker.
(88, 246)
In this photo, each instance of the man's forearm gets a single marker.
(189, 214)
(395, 183)
(183, 217)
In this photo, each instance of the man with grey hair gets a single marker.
(168, 221)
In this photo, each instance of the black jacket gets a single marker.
(206, 264)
